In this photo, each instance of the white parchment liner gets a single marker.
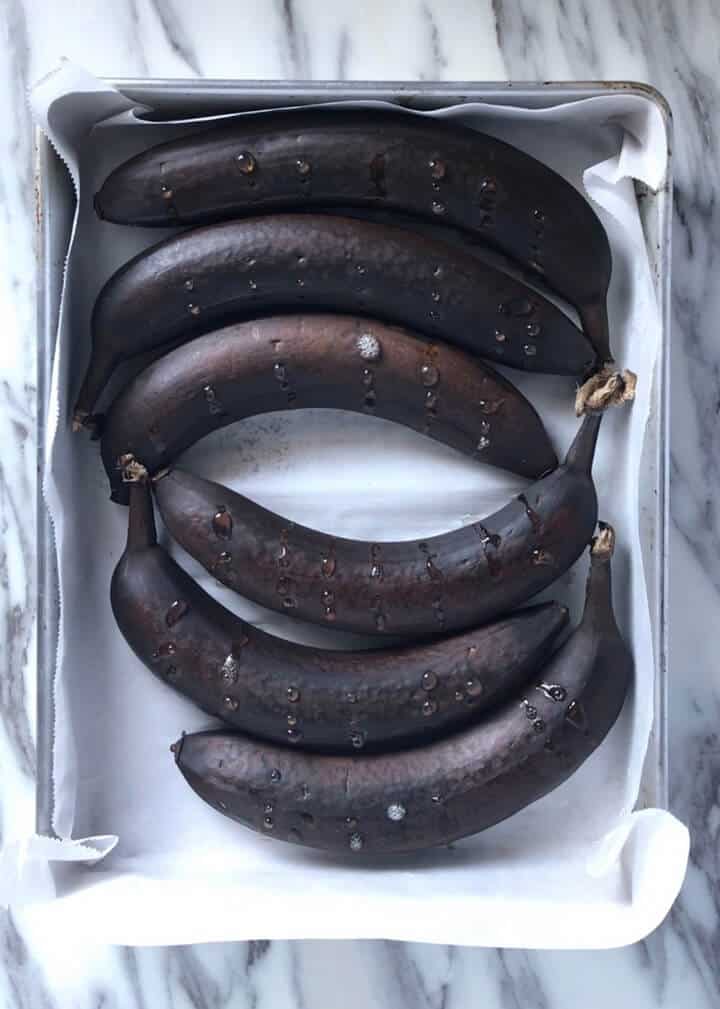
(576, 868)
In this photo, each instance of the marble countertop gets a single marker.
(670, 45)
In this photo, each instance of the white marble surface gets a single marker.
(670, 44)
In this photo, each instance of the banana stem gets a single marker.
(598, 598)
(594, 320)
(142, 533)
(605, 388)
(603, 545)
(132, 471)
(582, 451)
(96, 378)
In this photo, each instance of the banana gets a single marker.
(318, 699)
(333, 362)
(458, 579)
(209, 276)
(432, 168)
(449, 789)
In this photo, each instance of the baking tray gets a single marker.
(172, 98)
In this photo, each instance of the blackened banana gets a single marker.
(457, 579)
(447, 582)
(323, 700)
(446, 790)
(203, 278)
(334, 362)
(430, 167)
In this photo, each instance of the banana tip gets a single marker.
(603, 545)
(97, 205)
(130, 469)
(80, 420)
(607, 387)
(177, 746)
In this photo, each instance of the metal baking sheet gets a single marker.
(170, 99)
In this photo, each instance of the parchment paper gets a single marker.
(576, 868)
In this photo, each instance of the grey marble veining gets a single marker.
(17, 412)
(671, 45)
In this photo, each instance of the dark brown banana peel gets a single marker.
(331, 362)
(454, 580)
(309, 697)
(433, 168)
(457, 579)
(449, 789)
(211, 276)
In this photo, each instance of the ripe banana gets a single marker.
(458, 579)
(333, 362)
(434, 168)
(431, 795)
(315, 698)
(210, 276)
